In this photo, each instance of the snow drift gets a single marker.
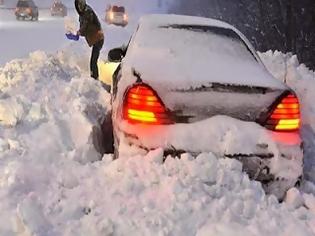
(287, 68)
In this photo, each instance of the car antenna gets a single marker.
(137, 74)
(285, 68)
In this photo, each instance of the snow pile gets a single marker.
(143, 196)
(286, 68)
(45, 104)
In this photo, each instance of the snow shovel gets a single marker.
(72, 36)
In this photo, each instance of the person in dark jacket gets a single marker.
(90, 28)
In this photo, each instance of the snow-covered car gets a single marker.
(191, 84)
(116, 15)
(26, 10)
(58, 9)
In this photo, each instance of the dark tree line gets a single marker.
(285, 25)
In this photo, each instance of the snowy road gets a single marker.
(19, 38)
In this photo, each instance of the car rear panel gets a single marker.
(24, 12)
(118, 17)
(240, 102)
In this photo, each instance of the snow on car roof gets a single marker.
(162, 19)
(163, 51)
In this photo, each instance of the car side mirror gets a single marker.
(116, 55)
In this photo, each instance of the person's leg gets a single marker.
(94, 58)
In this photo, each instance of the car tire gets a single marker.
(108, 137)
(116, 146)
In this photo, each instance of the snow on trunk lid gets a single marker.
(240, 102)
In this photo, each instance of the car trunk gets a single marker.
(23, 9)
(240, 102)
(118, 16)
(200, 71)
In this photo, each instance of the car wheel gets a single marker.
(116, 147)
(108, 137)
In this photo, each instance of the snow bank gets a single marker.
(53, 183)
(45, 104)
(286, 68)
(143, 196)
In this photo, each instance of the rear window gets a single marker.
(58, 4)
(23, 4)
(207, 44)
(227, 34)
(206, 29)
(118, 9)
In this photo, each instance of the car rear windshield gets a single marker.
(118, 9)
(226, 34)
(58, 4)
(23, 4)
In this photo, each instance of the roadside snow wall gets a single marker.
(287, 68)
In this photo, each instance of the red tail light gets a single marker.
(29, 10)
(143, 105)
(286, 115)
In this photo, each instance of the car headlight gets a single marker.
(111, 15)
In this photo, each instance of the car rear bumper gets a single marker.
(58, 13)
(269, 157)
(23, 15)
(118, 22)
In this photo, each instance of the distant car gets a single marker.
(180, 73)
(26, 10)
(58, 9)
(116, 15)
